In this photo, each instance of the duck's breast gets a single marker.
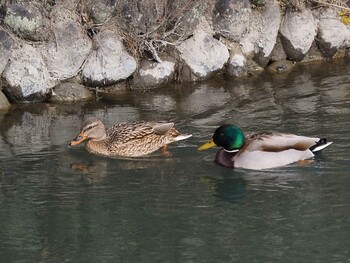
(97, 147)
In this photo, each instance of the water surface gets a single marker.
(61, 204)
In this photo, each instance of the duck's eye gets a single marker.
(89, 128)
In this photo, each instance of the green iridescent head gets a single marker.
(229, 137)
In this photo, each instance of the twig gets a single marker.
(153, 51)
(330, 4)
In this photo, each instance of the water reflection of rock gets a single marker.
(34, 128)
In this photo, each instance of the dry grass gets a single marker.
(340, 4)
(168, 29)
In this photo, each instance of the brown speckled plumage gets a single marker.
(127, 139)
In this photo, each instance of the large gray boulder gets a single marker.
(203, 55)
(298, 31)
(154, 74)
(231, 18)
(268, 31)
(263, 31)
(332, 34)
(26, 76)
(28, 20)
(67, 50)
(109, 63)
(7, 43)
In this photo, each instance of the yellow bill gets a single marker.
(207, 145)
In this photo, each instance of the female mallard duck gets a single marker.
(261, 150)
(127, 139)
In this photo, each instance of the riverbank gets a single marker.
(65, 51)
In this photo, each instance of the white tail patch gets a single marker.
(183, 137)
(321, 147)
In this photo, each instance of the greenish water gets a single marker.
(60, 204)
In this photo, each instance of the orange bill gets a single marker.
(80, 138)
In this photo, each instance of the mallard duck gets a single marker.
(131, 139)
(261, 150)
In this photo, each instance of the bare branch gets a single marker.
(333, 3)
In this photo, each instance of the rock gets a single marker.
(231, 18)
(268, 29)
(28, 20)
(203, 56)
(4, 103)
(67, 51)
(253, 68)
(332, 33)
(237, 64)
(109, 63)
(26, 76)
(281, 66)
(68, 91)
(298, 31)
(6, 45)
(278, 51)
(314, 53)
(154, 74)
(100, 11)
(263, 30)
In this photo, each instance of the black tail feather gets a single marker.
(317, 145)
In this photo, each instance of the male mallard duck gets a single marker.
(261, 150)
(127, 139)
